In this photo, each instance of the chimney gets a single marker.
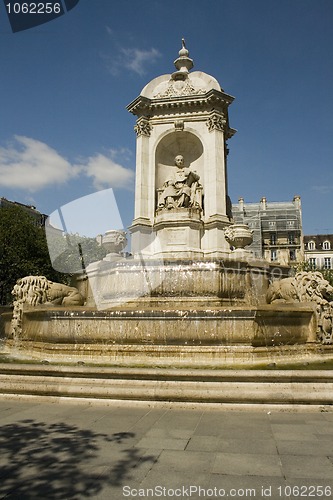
(297, 201)
(263, 203)
(241, 204)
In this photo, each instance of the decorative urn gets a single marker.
(238, 236)
(114, 241)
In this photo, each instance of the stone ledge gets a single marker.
(231, 387)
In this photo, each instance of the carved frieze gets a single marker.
(179, 88)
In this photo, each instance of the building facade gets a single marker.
(276, 227)
(318, 250)
(38, 218)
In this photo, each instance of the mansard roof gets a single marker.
(318, 239)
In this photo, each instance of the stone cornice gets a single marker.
(143, 106)
(141, 223)
(217, 221)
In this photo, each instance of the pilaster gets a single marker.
(142, 178)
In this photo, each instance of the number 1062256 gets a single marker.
(34, 8)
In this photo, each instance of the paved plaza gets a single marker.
(68, 450)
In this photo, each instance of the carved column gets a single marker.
(143, 131)
(216, 166)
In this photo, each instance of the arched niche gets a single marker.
(178, 143)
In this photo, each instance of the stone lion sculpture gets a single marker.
(307, 287)
(303, 287)
(37, 290)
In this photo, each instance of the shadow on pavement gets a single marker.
(58, 461)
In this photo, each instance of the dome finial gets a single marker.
(183, 63)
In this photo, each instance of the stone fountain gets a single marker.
(190, 294)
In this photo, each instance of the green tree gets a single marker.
(327, 274)
(23, 251)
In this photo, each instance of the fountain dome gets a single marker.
(181, 82)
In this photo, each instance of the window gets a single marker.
(327, 263)
(326, 246)
(272, 224)
(291, 239)
(312, 263)
(273, 255)
(272, 239)
(311, 245)
(290, 223)
(292, 255)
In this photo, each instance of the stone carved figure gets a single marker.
(36, 290)
(308, 287)
(180, 189)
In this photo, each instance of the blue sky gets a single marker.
(64, 86)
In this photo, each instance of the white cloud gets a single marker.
(33, 165)
(132, 59)
(107, 173)
(136, 59)
(324, 189)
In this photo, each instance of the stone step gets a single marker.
(240, 387)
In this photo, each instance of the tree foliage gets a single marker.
(23, 251)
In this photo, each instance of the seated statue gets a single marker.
(180, 189)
